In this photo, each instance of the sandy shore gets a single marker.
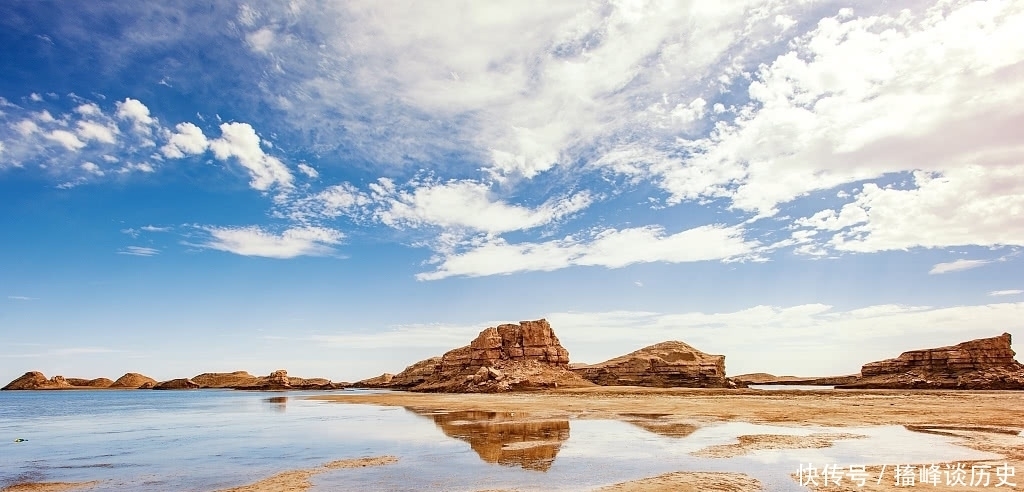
(983, 420)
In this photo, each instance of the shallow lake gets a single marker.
(210, 439)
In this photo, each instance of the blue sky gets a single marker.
(341, 189)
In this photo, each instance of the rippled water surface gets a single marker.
(210, 439)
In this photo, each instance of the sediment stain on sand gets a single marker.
(298, 480)
(754, 442)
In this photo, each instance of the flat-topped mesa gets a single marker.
(665, 364)
(974, 355)
(983, 364)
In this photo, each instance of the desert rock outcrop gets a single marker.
(175, 384)
(986, 363)
(507, 357)
(90, 383)
(134, 380)
(35, 380)
(666, 364)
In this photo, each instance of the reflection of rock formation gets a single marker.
(656, 423)
(497, 438)
(278, 403)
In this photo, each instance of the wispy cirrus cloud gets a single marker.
(957, 266)
(257, 241)
(1007, 292)
(22, 298)
(139, 251)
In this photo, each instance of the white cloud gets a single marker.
(89, 109)
(133, 110)
(638, 283)
(144, 167)
(35, 97)
(239, 140)
(469, 204)
(152, 228)
(255, 241)
(1009, 292)
(308, 170)
(26, 127)
(22, 298)
(859, 98)
(970, 205)
(139, 251)
(956, 266)
(261, 40)
(188, 140)
(66, 139)
(529, 83)
(610, 248)
(92, 168)
(90, 130)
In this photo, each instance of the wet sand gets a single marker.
(48, 486)
(987, 421)
(298, 480)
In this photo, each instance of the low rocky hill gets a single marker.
(665, 364)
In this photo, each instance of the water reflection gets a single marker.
(660, 423)
(506, 438)
(278, 403)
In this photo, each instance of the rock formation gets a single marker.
(134, 380)
(665, 364)
(765, 378)
(986, 363)
(36, 381)
(90, 383)
(175, 384)
(224, 379)
(508, 357)
(235, 380)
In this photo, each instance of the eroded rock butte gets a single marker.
(986, 363)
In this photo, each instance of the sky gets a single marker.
(340, 189)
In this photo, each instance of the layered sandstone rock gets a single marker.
(519, 356)
(665, 364)
(975, 355)
(412, 376)
(986, 363)
(35, 380)
(176, 384)
(224, 379)
(134, 380)
(90, 383)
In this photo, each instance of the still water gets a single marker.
(210, 439)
